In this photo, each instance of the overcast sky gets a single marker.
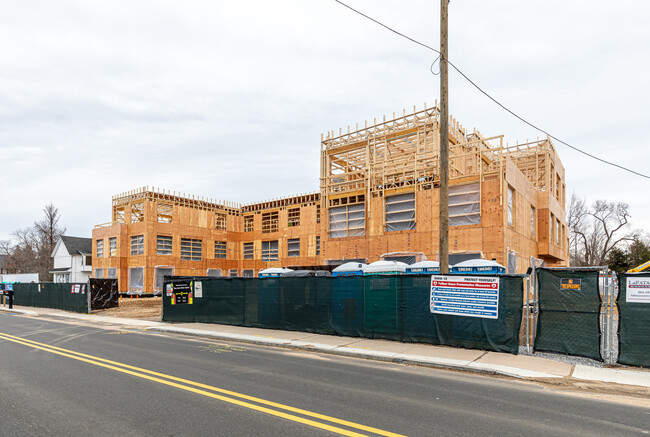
(228, 99)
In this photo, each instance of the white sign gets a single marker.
(198, 289)
(638, 290)
(470, 296)
(170, 289)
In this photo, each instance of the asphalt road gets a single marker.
(64, 379)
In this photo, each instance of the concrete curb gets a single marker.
(30, 313)
(395, 357)
(617, 376)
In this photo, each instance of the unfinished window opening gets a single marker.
(558, 184)
(270, 250)
(112, 246)
(191, 250)
(164, 245)
(220, 221)
(400, 212)
(465, 204)
(248, 223)
(347, 220)
(137, 245)
(293, 215)
(99, 273)
(100, 248)
(214, 273)
(293, 247)
(233, 273)
(557, 232)
(248, 273)
(511, 206)
(111, 272)
(317, 245)
(317, 213)
(220, 249)
(136, 279)
(137, 212)
(249, 250)
(350, 200)
(160, 273)
(270, 222)
(118, 214)
(165, 212)
(532, 221)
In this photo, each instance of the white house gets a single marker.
(72, 259)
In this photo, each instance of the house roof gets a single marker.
(76, 245)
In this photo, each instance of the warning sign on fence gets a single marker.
(638, 290)
(470, 296)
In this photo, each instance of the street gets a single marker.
(70, 378)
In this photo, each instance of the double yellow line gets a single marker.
(232, 397)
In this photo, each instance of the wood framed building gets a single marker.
(378, 194)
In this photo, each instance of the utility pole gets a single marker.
(443, 228)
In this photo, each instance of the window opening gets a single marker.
(164, 245)
(137, 212)
(220, 249)
(248, 223)
(293, 217)
(165, 212)
(269, 222)
(293, 247)
(191, 250)
(270, 250)
(137, 245)
(100, 248)
(400, 212)
(220, 221)
(112, 246)
(249, 250)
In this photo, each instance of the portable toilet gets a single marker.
(273, 272)
(478, 267)
(423, 267)
(349, 269)
(385, 268)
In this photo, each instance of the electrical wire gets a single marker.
(490, 97)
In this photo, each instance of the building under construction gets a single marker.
(378, 198)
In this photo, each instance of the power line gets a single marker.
(492, 98)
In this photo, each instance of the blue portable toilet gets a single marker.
(273, 272)
(478, 267)
(423, 267)
(349, 269)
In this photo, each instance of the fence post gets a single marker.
(528, 309)
(535, 300)
(610, 316)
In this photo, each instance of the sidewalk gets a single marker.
(520, 366)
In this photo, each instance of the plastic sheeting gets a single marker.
(569, 312)
(385, 307)
(136, 280)
(634, 325)
(400, 212)
(465, 204)
(161, 272)
(347, 221)
(104, 294)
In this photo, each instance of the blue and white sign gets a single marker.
(470, 296)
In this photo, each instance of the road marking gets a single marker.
(144, 373)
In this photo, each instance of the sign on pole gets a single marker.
(470, 296)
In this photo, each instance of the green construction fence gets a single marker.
(569, 311)
(390, 307)
(634, 319)
(68, 297)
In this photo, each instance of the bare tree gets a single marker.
(596, 230)
(32, 251)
